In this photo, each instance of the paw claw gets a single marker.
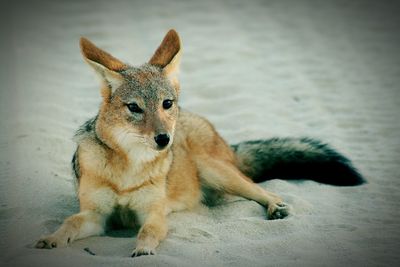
(142, 252)
(49, 242)
(278, 211)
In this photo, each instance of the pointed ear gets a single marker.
(103, 63)
(168, 54)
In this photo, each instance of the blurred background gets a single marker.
(256, 69)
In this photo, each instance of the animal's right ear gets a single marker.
(103, 63)
(168, 55)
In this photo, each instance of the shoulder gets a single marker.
(86, 130)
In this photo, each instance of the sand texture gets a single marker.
(256, 69)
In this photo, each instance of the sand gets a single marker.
(256, 69)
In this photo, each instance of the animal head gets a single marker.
(139, 104)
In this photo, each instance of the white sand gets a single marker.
(324, 69)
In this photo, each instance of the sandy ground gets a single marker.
(256, 69)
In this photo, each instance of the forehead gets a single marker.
(145, 83)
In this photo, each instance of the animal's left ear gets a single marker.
(168, 56)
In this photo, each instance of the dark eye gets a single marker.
(167, 104)
(134, 108)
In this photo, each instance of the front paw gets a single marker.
(277, 210)
(142, 251)
(50, 242)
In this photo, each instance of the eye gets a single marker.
(134, 108)
(167, 104)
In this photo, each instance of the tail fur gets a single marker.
(295, 158)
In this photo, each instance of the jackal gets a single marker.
(143, 157)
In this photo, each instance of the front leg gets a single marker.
(152, 232)
(80, 225)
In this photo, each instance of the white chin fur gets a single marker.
(135, 146)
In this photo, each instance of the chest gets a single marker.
(133, 181)
(113, 203)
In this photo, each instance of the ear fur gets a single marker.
(168, 55)
(103, 63)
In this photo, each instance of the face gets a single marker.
(144, 108)
(140, 104)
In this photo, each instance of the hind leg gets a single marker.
(225, 176)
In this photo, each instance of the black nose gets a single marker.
(162, 140)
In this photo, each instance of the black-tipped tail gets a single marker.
(295, 158)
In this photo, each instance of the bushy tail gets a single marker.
(295, 158)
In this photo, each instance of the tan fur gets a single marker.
(167, 50)
(143, 77)
(121, 166)
(97, 55)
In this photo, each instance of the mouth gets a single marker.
(162, 147)
(158, 148)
